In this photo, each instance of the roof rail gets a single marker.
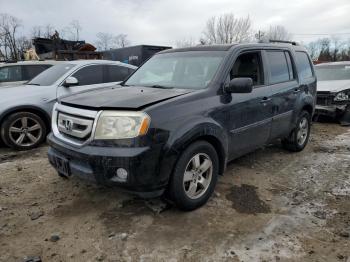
(283, 41)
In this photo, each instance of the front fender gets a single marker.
(191, 130)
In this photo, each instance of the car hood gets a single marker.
(20, 93)
(333, 86)
(122, 97)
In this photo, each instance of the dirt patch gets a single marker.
(300, 202)
(246, 200)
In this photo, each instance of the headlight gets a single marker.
(121, 124)
(342, 96)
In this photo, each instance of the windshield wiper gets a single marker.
(33, 84)
(160, 86)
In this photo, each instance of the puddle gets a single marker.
(246, 200)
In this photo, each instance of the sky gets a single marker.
(164, 22)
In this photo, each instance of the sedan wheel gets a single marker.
(23, 130)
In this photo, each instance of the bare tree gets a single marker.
(76, 28)
(227, 29)
(186, 43)
(121, 40)
(23, 44)
(8, 32)
(278, 32)
(104, 41)
(48, 30)
(36, 31)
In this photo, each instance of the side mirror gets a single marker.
(240, 85)
(71, 81)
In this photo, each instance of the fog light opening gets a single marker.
(121, 175)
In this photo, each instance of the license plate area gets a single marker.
(62, 165)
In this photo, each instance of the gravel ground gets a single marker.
(270, 205)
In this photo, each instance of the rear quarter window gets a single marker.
(31, 71)
(304, 65)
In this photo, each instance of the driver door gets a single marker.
(89, 77)
(250, 114)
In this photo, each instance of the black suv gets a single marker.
(176, 122)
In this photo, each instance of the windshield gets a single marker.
(51, 75)
(188, 70)
(335, 72)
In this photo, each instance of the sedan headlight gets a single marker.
(121, 124)
(342, 96)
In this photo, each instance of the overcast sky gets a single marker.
(164, 22)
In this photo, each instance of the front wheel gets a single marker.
(195, 175)
(23, 130)
(299, 137)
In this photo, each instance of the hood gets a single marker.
(21, 93)
(122, 97)
(334, 86)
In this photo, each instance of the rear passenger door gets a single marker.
(284, 88)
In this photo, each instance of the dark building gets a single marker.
(134, 55)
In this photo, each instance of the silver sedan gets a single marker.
(25, 111)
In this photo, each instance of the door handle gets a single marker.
(296, 90)
(265, 100)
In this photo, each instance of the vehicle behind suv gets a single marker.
(25, 111)
(333, 93)
(182, 116)
(17, 73)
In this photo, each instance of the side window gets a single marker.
(90, 75)
(31, 71)
(10, 74)
(304, 65)
(116, 73)
(249, 65)
(278, 65)
(290, 65)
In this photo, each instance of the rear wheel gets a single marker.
(195, 175)
(23, 130)
(299, 137)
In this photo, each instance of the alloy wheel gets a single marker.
(303, 130)
(198, 175)
(25, 131)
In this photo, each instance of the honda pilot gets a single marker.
(175, 123)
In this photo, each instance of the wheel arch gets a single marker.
(31, 109)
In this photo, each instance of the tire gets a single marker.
(23, 131)
(299, 137)
(199, 154)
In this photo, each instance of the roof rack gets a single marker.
(283, 41)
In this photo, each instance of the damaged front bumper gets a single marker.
(326, 106)
(100, 165)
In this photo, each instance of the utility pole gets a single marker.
(259, 35)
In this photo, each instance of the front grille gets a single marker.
(324, 98)
(73, 125)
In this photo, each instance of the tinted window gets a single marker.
(290, 66)
(248, 65)
(333, 72)
(31, 71)
(10, 74)
(278, 67)
(190, 70)
(51, 75)
(117, 73)
(90, 75)
(304, 65)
